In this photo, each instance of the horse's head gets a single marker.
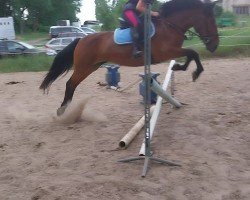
(205, 26)
(184, 14)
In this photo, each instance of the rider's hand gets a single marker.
(154, 14)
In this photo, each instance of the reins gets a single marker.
(176, 28)
(205, 38)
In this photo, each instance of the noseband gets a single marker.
(205, 38)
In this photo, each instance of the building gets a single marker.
(239, 7)
(7, 30)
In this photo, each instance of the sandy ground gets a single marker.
(43, 159)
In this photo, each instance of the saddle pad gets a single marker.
(123, 36)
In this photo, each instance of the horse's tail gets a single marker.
(61, 64)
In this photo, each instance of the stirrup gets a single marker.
(137, 53)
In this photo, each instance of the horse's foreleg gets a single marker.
(178, 66)
(199, 69)
(191, 55)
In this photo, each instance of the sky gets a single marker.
(88, 10)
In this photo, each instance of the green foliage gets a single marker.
(43, 29)
(225, 18)
(108, 12)
(218, 10)
(104, 14)
(228, 14)
(5, 9)
(156, 5)
(32, 14)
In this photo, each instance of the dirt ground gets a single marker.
(44, 159)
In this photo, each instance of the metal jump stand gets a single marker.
(147, 62)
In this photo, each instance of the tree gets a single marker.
(218, 10)
(37, 13)
(64, 9)
(18, 9)
(37, 10)
(5, 8)
(108, 12)
(104, 14)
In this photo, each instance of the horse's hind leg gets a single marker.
(76, 78)
(69, 92)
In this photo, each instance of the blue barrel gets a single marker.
(142, 87)
(113, 76)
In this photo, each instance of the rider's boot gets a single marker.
(135, 36)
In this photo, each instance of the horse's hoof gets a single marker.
(137, 54)
(195, 75)
(176, 67)
(61, 110)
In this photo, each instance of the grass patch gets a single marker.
(34, 63)
(224, 52)
(234, 42)
(229, 47)
(33, 36)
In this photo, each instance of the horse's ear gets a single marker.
(209, 7)
(212, 3)
(206, 1)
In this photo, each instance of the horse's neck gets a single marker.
(183, 20)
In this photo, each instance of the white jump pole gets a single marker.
(157, 109)
(165, 95)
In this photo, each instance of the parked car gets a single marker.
(88, 30)
(57, 44)
(72, 34)
(54, 31)
(13, 48)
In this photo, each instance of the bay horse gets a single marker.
(175, 19)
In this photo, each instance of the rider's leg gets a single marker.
(134, 21)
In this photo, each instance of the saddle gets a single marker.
(122, 35)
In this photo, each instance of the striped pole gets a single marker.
(158, 105)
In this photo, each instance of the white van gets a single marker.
(7, 30)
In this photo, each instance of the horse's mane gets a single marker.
(174, 6)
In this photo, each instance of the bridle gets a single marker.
(205, 38)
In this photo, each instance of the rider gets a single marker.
(131, 11)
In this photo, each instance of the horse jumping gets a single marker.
(176, 18)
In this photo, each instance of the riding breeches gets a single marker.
(132, 18)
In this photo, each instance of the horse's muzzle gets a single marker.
(212, 47)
